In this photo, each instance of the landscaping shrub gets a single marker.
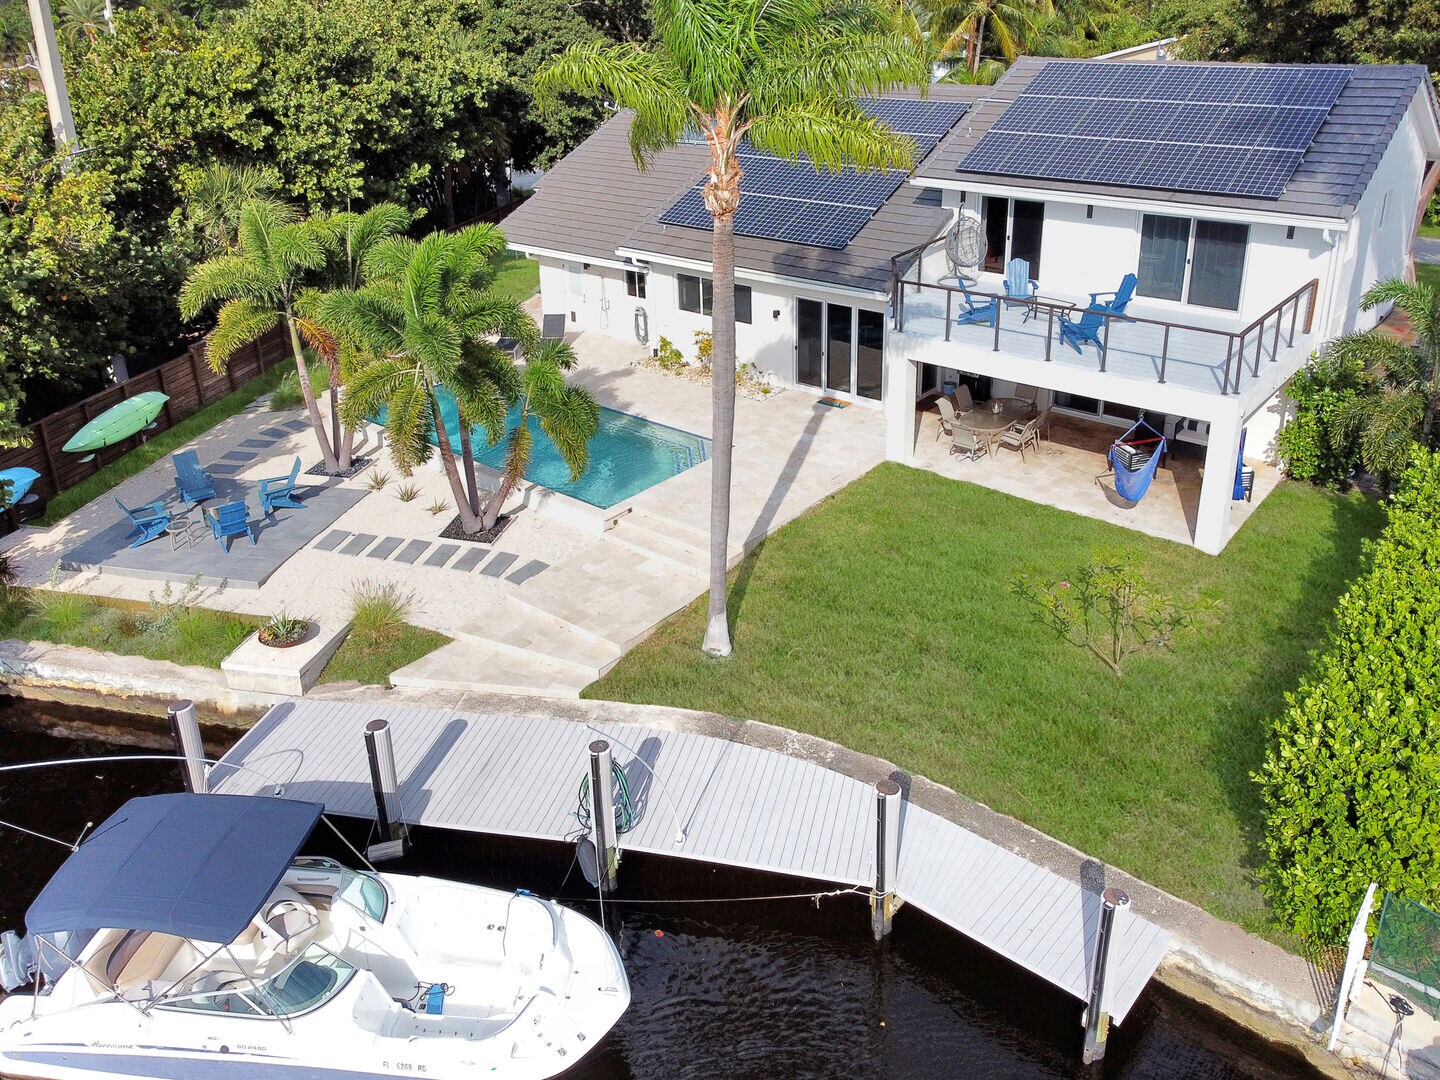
(378, 613)
(1351, 782)
(287, 394)
(1314, 445)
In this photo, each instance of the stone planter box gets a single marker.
(290, 670)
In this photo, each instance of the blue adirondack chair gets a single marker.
(1118, 299)
(1086, 331)
(149, 521)
(280, 491)
(230, 520)
(980, 313)
(195, 484)
(1019, 286)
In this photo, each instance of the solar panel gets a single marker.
(796, 203)
(1215, 129)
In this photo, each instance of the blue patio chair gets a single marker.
(149, 520)
(280, 491)
(1119, 299)
(1084, 332)
(230, 520)
(982, 313)
(195, 484)
(1020, 286)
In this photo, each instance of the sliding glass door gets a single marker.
(839, 349)
(1013, 230)
(1198, 262)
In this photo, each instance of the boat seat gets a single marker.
(287, 924)
(140, 958)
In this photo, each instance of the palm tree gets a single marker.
(783, 74)
(349, 237)
(215, 195)
(424, 317)
(1404, 379)
(958, 28)
(80, 20)
(569, 415)
(257, 286)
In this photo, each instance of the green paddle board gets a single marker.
(117, 423)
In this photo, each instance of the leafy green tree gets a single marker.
(1314, 444)
(81, 21)
(1351, 781)
(959, 28)
(258, 286)
(364, 100)
(782, 74)
(1399, 410)
(63, 293)
(426, 317)
(568, 415)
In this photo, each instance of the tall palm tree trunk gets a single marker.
(307, 391)
(469, 520)
(722, 196)
(467, 458)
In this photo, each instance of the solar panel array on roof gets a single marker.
(1218, 130)
(796, 203)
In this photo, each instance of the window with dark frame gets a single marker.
(697, 294)
(635, 284)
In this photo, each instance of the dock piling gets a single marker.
(883, 902)
(602, 815)
(188, 745)
(380, 751)
(1097, 1020)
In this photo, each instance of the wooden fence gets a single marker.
(188, 381)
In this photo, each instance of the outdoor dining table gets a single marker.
(991, 419)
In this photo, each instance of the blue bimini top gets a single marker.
(196, 866)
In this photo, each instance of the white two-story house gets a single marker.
(1253, 204)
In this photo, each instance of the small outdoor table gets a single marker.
(991, 419)
(181, 530)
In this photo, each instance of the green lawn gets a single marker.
(1431, 231)
(517, 277)
(370, 663)
(167, 442)
(1428, 274)
(169, 628)
(883, 620)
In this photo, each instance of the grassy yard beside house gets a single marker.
(516, 276)
(883, 619)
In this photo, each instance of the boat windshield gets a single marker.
(314, 977)
(363, 892)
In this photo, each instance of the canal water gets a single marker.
(723, 984)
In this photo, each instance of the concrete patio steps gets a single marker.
(520, 631)
(647, 535)
(477, 666)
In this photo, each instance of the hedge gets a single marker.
(1352, 776)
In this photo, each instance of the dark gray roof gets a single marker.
(596, 201)
(1328, 182)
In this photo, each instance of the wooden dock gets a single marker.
(735, 804)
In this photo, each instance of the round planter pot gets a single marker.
(287, 644)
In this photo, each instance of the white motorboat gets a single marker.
(184, 939)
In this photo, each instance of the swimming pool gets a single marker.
(627, 455)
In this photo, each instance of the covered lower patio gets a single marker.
(1070, 471)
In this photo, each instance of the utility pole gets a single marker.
(52, 76)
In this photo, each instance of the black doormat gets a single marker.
(356, 464)
(453, 531)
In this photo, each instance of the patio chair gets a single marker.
(1042, 425)
(947, 417)
(230, 520)
(964, 403)
(280, 491)
(1020, 286)
(967, 444)
(1022, 435)
(981, 313)
(1027, 393)
(1086, 331)
(1118, 299)
(149, 521)
(195, 484)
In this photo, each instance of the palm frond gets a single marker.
(387, 258)
(240, 322)
(832, 134)
(226, 277)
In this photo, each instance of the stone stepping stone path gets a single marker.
(439, 554)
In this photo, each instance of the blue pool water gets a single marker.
(627, 455)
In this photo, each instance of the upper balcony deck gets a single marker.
(1218, 356)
